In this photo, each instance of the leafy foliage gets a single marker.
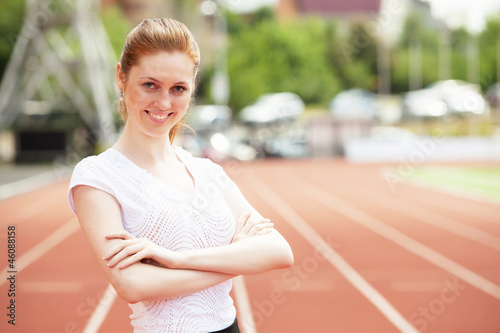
(11, 20)
(117, 27)
(270, 57)
(315, 58)
(461, 42)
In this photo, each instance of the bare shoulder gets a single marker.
(98, 212)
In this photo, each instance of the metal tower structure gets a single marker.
(62, 59)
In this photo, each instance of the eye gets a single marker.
(149, 85)
(179, 89)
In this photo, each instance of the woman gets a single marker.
(169, 230)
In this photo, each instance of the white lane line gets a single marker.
(245, 318)
(27, 184)
(101, 310)
(429, 217)
(392, 234)
(37, 251)
(459, 193)
(483, 213)
(330, 254)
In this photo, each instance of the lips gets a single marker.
(159, 117)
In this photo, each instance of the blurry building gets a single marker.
(137, 10)
(388, 15)
(292, 9)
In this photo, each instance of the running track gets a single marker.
(368, 257)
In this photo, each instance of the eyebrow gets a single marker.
(150, 78)
(156, 80)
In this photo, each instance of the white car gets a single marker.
(272, 108)
(445, 97)
(209, 118)
(354, 104)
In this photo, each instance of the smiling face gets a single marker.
(157, 91)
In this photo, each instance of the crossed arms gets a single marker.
(256, 248)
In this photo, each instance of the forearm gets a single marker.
(252, 255)
(144, 282)
(99, 215)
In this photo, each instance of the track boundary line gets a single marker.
(364, 219)
(439, 221)
(101, 310)
(40, 249)
(472, 196)
(242, 300)
(453, 208)
(28, 184)
(332, 256)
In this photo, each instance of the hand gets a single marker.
(132, 249)
(247, 226)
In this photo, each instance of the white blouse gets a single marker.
(175, 220)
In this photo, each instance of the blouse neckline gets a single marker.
(159, 183)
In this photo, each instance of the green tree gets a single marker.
(352, 59)
(272, 57)
(423, 39)
(488, 46)
(117, 27)
(11, 20)
(459, 39)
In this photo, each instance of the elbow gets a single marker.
(283, 255)
(128, 294)
(287, 258)
(284, 258)
(127, 290)
(290, 260)
(130, 297)
(133, 295)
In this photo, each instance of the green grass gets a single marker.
(476, 181)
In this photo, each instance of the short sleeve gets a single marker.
(90, 172)
(213, 173)
(217, 174)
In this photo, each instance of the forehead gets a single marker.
(165, 65)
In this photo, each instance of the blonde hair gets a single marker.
(154, 35)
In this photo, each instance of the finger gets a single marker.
(259, 227)
(118, 248)
(132, 259)
(122, 234)
(240, 223)
(251, 223)
(264, 231)
(123, 254)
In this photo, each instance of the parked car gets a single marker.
(493, 95)
(273, 108)
(354, 104)
(290, 144)
(210, 118)
(423, 103)
(445, 97)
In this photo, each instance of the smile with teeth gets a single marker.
(157, 116)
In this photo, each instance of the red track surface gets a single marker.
(324, 208)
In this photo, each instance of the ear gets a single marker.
(120, 77)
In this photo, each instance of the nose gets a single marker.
(163, 102)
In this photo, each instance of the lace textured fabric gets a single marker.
(172, 219)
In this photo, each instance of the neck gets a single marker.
(144, 149)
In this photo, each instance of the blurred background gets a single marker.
(368, 129)
(290, 78)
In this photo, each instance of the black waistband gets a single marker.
(234, 328)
